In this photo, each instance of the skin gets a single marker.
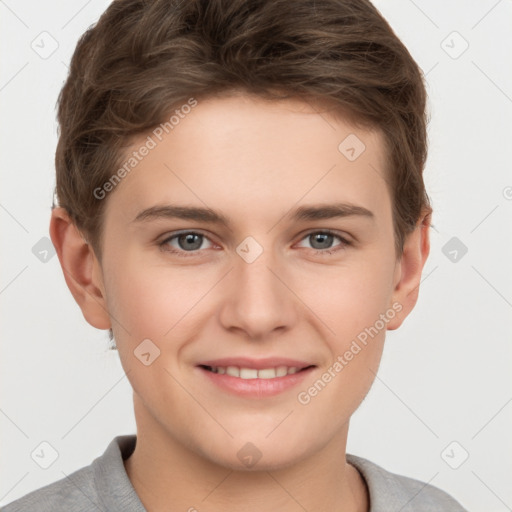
(255, 161)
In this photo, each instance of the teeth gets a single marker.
(233, 371)
(252, 373)
(267, 373)
(248, 373)
(281, 371)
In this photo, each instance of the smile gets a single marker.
(255, 383)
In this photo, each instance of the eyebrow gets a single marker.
(320, 212)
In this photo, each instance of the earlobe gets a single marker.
(81, 269)
(409, 270)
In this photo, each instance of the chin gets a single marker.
(258, 456)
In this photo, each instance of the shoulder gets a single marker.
(390, 492)
(67, 494)
(103, 485)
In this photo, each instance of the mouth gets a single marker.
(249, 382)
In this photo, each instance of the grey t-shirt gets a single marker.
(104, 486)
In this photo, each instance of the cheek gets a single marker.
(354, 313)
(165, 305)
(347, 298)
(149, 299)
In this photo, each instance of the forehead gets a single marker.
(242, 153)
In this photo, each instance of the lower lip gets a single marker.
(256, 388)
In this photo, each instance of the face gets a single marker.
(291, 265)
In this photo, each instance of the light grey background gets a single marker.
(445, 374)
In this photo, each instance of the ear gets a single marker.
(82, 270)
(408, 271)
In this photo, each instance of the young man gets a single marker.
(284, 142)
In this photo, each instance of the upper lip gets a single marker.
(257, 364)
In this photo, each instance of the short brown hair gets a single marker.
(143, 59)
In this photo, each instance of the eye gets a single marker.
(183, 243)
(322, 242)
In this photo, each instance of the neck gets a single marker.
(163, 472)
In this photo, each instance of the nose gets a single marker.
(258, 299)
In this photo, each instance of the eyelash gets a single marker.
(185, 254)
